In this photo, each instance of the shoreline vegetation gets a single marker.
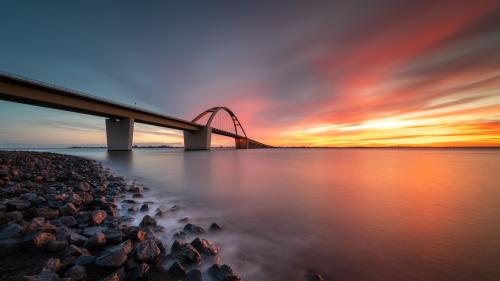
(62, 218)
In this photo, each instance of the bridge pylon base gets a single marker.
(198, 140)
(119, 133)
(241, 143)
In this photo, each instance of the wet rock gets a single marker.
(204, 247)
(130, 201)
(193, 229)
(139, 272)
(232, 278)
(118, 275)
(148, 221)
(218, 272)
(180, 235)
(137, 195)
(174, 208)
(18, 205)
(144, 207)
(75, 251)
(84, 186)
(89, 231)
(47, 213)
(133, 209)
(183, 220)
(188, 255)
(77, 239)
(15, 216)
(97, 217)
(85, 260)
(10, 246)
(194, 275)
(46, 276)
(69, 209)
(114, 236)
(39, 225)
(147, 250)
(96, 241)
(177, 271)
(53, 265)
(137, 234)
(115, 256)
(37, 241)
(56, 246)
(214, 227)
(76, 273)
(68, 221)
(159, 228)
(11, 231)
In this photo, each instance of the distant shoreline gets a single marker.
(276, 147)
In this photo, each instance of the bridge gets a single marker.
(120, 118)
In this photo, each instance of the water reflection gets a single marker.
(352, 214)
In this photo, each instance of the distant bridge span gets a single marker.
(120, 117)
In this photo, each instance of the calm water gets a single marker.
(350, 214)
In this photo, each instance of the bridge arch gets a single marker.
(213, 111)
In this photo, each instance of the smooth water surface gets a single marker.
(350, 214)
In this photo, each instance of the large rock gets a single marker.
(96, 241)
(148, 221)
(115, 256)
(18, 205)
(85, 260)
(77, 239)
(75, 251)
(97, 217)
(137, 233)
(147, 251)
(194, 275)
(76, 273)
(188, 255)
(37, 241)
(56, 246)
(89, 231)
(53, 265)
(177, 271)
(193, 229)
(218, 272)
(205, 247)
(11, 231)
(139, 272)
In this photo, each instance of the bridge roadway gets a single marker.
(119, 125)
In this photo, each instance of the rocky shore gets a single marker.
(63, 218)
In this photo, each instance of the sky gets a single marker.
(296, 73)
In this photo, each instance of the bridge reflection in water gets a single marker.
(121, 117)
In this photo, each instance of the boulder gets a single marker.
(76, 273)
(115, 256)
(204, 247)
(37, 241)
(188, 255)
(139, 272)
(214, 227)
(53, 265)
(75, 251)
(148, 221)
(97, 217)
(194, 275)
(56, 246)
(147, 250)
(218, 272)
(144, 207)
(77, 239)
(18, 205)
(85, 260)
(11, 231)
(177, 271)
(137, 234)
(193, 229)
(95, 241)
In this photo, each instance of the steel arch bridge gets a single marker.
(230, 128)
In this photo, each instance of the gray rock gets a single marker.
(75, 251)
(177, 271)
(115, 256)
(194, 275)
(11, 231)
(46, 276)
(148, 221)
(37, 241)
(69, 209)
(214, 227)
(139, 272)
(204, 247)
(118, 275)
(10, 246)
(47, 213)
(96, 241)
(53, 265)
(188, 255)
(218, 272)
(18, 205)
(89, 231)
(76, 273)
(15, 216)
(56, 246)
(147, 250)
(97, 217)
(77, 239)
(193, 229)
(137, 234)
(85, 260)
(144, 207)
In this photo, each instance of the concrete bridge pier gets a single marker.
(198, 140)
(119, 133)
(241, 143)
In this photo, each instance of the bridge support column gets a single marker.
(198, 140)
(119, 133)
(241, 143)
